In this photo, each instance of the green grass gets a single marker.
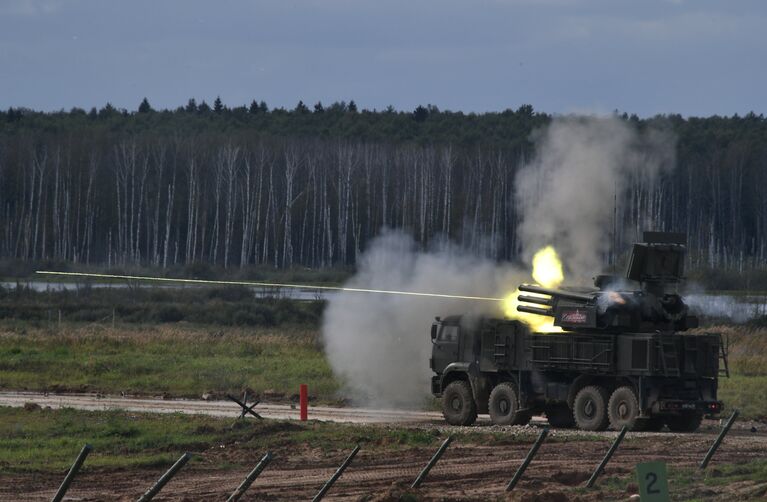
(745, 389)
(178, 360)
(45, 440)
(49, 440)
(748, 394)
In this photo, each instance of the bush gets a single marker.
(168, 313)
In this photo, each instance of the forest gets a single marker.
(310, 186)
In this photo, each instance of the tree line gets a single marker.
(311, 186)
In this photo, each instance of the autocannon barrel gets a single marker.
(535, 310)
(538, 300)
(555, 293)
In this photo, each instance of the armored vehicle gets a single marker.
(622, 358)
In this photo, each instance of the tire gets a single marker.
(503, 405)
(623, 409)
(458, 406)
(560, 416)
(685, 422)
(590, 408)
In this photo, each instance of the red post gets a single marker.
(303, 394)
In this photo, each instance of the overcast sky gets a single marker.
(693, 57)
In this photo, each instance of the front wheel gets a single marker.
(503, 406)
(458, 405)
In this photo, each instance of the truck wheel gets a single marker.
(590, 408)
(503, 406)
(623, 409)
(685, 422)
(458, 404)
(560, 416)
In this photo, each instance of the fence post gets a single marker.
(608, 456)
(240, 491)
(431, 463)
(71, 474)
(303, 398)
(336, 475)
(719, 439)
(154, 490)
(527, 460)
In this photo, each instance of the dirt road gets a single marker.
(213, 408)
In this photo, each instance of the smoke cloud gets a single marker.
(565, 195)
(379, 346)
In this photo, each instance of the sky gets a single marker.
(692, 57)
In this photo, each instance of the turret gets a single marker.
(645, 300)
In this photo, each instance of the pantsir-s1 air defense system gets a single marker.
(622, 358)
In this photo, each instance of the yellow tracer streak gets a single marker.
(265, 284)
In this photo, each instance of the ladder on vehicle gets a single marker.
(668, 355)
(501, 349)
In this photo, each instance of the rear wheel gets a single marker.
(684, 422)
(590, 408)
(503, 405)
(458, 405)
(559, 415)
(623, 409)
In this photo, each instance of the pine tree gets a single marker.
(301, 108)
(191, 105)
(145, 107)
(218, 106)
(318, 108)
(352, 106)
(420, 114)
(253, 107)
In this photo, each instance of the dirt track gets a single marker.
(467, 471)
(212, 408)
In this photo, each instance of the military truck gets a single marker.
(622, 358)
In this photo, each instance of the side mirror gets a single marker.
(433, 332)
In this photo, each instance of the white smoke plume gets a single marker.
(378, 345)
(565, 195)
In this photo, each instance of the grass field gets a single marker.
(45, 440)
(188, 360)
(172, 359)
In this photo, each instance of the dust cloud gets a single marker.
(565, 195)
(378, 345)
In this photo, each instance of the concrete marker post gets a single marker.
(431, 463)
(154, 490)
(527, 460)
(71, 474)
(240, 491)
(336, 475)
(608, 456)
(719, 439)
(303, 398)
